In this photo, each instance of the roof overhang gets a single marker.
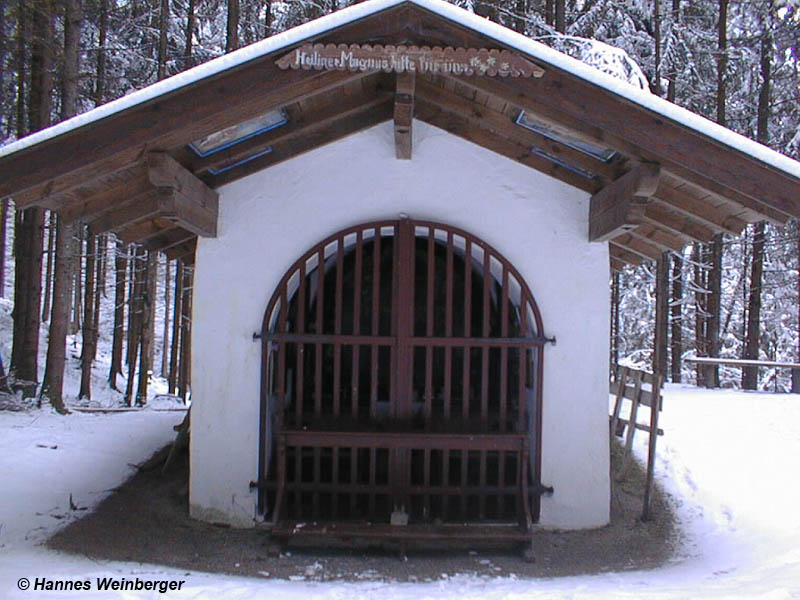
(675, 177)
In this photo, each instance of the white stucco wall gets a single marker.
(269, 219)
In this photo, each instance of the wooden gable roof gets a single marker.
(128, 167)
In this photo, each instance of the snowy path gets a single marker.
(729, 458)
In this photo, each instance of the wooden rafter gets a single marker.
(658, 215)
(621, 254)
(168, 238)
(643, 248)
(701, 211)
(620, 206)
(403, 114)
(666, 240)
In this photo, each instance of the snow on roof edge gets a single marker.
(459, 15)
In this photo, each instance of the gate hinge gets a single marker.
(256, 336)
(551, 340)
(542, 490)
(258, 485)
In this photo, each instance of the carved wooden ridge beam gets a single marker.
(620, 206)
(403, 114)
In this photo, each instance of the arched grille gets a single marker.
(402, 370)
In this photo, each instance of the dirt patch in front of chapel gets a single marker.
(147, 520)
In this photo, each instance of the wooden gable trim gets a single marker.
(619, 206)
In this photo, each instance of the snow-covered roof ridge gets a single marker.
(458, 15)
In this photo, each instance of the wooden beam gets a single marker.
(168, 238)
(619, 206)
(185, 251)
(665, 240)
(403, 114)
(616, 264)
(658, 215)
(638, 246)
(623, 255)
(106, 197)
(139, 208)
(141, 232)
(185, 200)
(462, 128)
(699, 210)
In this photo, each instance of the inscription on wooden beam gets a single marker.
(415, 59)
(619, 207)
(403, 114)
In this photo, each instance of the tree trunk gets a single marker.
(190, 27)
(53, 386)
(75, 325)
(48, 271)
(163, 21)
(184, 383)
(165, 337)
(615, 319)
(753, 336)
(148, 304)
(657, 47)
(29, 236)
(673, 75)
(268, 19)
(796, 372)
(21, 60)
(3, 243)
(120, 276)
(100, 80)
(700, 286)
(713, 308)
(73, 16)
(99, 287)
(27, 293)
(676, 308)
(232, 37)
(172, 381)
(662, 315)
(134, 319)
(561, 16)
(751, 345)
(88, 337)
(722, 60)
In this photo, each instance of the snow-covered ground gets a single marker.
(728, 458)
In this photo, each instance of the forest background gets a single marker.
(732, 61)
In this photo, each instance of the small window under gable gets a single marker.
(230, 136)
(597, 152)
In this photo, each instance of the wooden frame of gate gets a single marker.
(401, 389)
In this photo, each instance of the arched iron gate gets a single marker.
(402, 374)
